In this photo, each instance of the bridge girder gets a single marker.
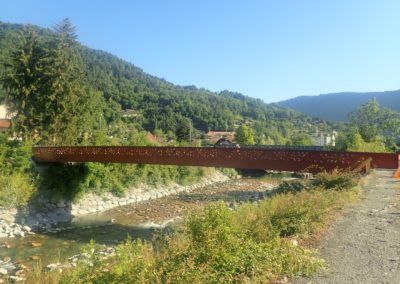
(230, 157)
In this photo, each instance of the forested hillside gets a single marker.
(132, 97)
(337, 106)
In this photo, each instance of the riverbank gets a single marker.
(256, 241)
(60, 250)
(46, 215)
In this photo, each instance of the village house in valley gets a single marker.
(214, 136)
(5, 122)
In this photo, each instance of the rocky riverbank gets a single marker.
(148, 215)
(11, 272)
(43, 214)
(16, 273)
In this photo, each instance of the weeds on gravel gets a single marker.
(335, 181)
(324, 181)
(38, 275)
(252, 244)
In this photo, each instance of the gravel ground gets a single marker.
(364, 245)
(168, 207)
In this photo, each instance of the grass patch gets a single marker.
(251, 244)
(335, 181)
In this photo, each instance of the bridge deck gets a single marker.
(240, 158)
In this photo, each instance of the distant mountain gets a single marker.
(337, 106)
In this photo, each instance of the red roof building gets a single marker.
(4, 124)
(214, 136)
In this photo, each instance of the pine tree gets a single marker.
(22, 79)
(47, 88)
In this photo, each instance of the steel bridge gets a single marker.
(254, 158)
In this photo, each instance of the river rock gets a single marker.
(61, 204)
(26, 228)
(19, 233)
(3, 271)
(16, 278)
(20, 272)
(5, 245)
(36, 244)
(54, 266)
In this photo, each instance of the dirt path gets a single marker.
(364, 245)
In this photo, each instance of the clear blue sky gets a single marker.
(272, 50)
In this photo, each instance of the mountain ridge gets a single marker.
(337, 106)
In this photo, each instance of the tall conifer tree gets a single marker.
(47, 89)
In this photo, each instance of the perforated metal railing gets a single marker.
(240, 158)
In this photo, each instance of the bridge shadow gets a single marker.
(48, 203)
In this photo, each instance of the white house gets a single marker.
(4, 118)
(3, 112)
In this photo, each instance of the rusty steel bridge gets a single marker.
(253, 158)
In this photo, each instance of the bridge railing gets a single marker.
(231, 157)
(364, 167)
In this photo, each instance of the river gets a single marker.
(138, 220)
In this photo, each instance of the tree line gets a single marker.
(65, 93)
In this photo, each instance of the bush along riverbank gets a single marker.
(257, 243)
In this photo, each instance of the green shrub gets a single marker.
(230, 172)
(17, 182)
(15, 189)
(324, 181)
(335, 181)
(15, 155)
(291, 186)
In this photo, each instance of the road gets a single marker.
(363, 246)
